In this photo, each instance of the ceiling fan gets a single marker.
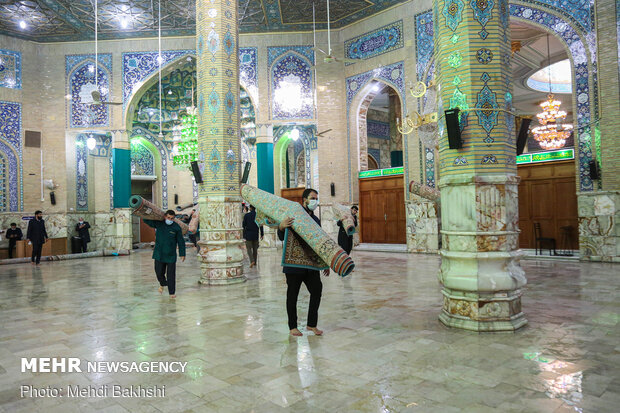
(95, 93)
(328, 58)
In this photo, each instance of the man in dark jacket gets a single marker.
(168, 235)
(296, 276)
(37, 236)
(250, 234)
(344, 240)
(13, 234)
(82, 230)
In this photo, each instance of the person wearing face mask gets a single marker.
(296, 276)
(37, 235)
(82, 230)
(168, 235)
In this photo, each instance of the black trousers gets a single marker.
(252, 247)
(84, 245)
(36, 252)
(312, 279)
(12, 243)
(171, 268)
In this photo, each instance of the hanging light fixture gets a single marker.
(552, 134)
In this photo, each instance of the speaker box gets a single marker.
(594, 172)
(196, 172)
(53, 198)
(332, 187)
(32, 139)
(246, 173)
(454, 129)
(523, 134)
(176, 199)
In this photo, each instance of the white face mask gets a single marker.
(81, 221)
(312, 204)
(169, 221)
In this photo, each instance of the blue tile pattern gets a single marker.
(81, 173)
(11, 146)
(248, 67)
(4, 190)
(80, 73)
(376, 154)
(10, 69)
(291, 65)
(423, 43)
(429, 167)
(142, 162)
(163, 154)
(377, 129)
(376, 42)
(12, 165)
(138, 66)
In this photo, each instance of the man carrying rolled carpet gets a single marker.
(168, 235)
(296, 276)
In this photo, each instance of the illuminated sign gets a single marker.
(381, 172)
(559, 155)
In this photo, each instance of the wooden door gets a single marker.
(548, 195)
(147, 234)
(382, 210)
(292, 194)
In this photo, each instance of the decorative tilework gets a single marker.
(453, 13)
(274, 52)
(138, 66)
(291, 85)
(376, 129)
(81, 173)
(143, 133)
(142, 161)
(80, 81)
(429, 167)
(4, 187)
(10, 69)
(248, 69)
(483, 10)
(424, 42)
(11, 146)
(375, 43)
(306, 133)
(376, 154)
(487, 100)
(579, 12)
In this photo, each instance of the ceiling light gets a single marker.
(91, 68)
(170, 92)
(295, 134)
(124, 22)
(68, 97)
(91, 143)
(375, 88)
(22, 24)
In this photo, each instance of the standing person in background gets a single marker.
(194, 228)
(13, 234)
(37, 235)
(82, 230)
(250, 234)
(168, 235)
(346, 241)
(296, 276)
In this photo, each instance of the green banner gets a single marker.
(559, 155)
(381, 172)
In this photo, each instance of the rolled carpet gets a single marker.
(424, 191)
(147, 210)
(277, 209)
(344, 214)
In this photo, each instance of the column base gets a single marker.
(482, 312)
(123, 236)
(221, 262)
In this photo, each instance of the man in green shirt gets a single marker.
(168, 235)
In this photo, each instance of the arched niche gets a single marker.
(9, 178)
(80, 83)
(283, 139)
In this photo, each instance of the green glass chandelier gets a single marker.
(186, 149)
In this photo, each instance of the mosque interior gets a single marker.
(475, 137)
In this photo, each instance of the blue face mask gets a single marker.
(169, 222)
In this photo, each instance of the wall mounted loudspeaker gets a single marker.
(523, 134)
(246, 173)
(454, 129)
(333, 189)
(594, 172)
(196, 172)
(176, 199)
(53, 198)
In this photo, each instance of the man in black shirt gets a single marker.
(13, 234)
(82, 230)
(37, 235)
(250, 234)
(344, 240)
(296, 276)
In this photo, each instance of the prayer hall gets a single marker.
(309, 206)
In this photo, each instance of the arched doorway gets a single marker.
(147, 177)
(292, 160)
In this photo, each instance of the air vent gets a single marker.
(33, 139)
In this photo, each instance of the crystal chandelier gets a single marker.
(186, 148)
(552, 134)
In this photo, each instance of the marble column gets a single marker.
(217, 38)
(480, 271)
(396, 138)
(121, 170)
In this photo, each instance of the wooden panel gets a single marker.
(292, 194)
(547, 194)
(147, 234)
(382, 210)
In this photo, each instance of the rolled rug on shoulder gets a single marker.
(344, 214)
(425, 191)
(147, 210)
(277, 209)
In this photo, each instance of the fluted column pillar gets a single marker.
(219, 200)
(480, 271)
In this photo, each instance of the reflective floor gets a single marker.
(383, 348)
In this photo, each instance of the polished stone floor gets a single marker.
(383, 349)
